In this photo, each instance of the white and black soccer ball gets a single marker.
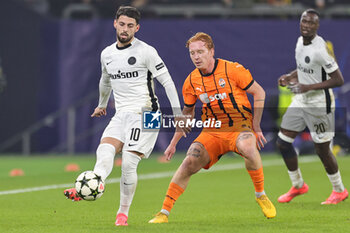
(89, 186)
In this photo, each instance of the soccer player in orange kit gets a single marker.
(221, 86)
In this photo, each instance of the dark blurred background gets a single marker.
(50, 62)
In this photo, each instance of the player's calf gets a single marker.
(328, 159)
(246, 145)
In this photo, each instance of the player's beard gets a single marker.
(124, 40)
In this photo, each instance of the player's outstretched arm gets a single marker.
(259, 100)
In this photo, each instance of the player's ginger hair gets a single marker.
(201, 36)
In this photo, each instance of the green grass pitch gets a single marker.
(221, 200)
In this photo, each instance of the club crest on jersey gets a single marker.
(222, 82)
(132, 60)
(307, 59)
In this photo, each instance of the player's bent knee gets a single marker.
(246, 143)
(286, 147)
(190, 165)
(196, 158)
(249, 152)
(118, 145)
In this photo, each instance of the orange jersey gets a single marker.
(222, 92)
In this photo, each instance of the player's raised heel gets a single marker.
(121, 220)
(293, 192)
(159, 218)
(72, 194)
(267, 207)
(335, 197)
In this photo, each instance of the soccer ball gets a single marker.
(89, 186)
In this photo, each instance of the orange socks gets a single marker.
(173, 193)
(258, 179)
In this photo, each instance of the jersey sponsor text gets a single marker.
(122, 75)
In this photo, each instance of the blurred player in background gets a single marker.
(221, 86)
(128, 68)
(312, 107)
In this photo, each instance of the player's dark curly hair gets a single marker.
(129, 11)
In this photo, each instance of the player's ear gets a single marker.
(115, 24)
(212, 51)
(137, 27)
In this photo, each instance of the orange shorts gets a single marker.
(219, 142)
